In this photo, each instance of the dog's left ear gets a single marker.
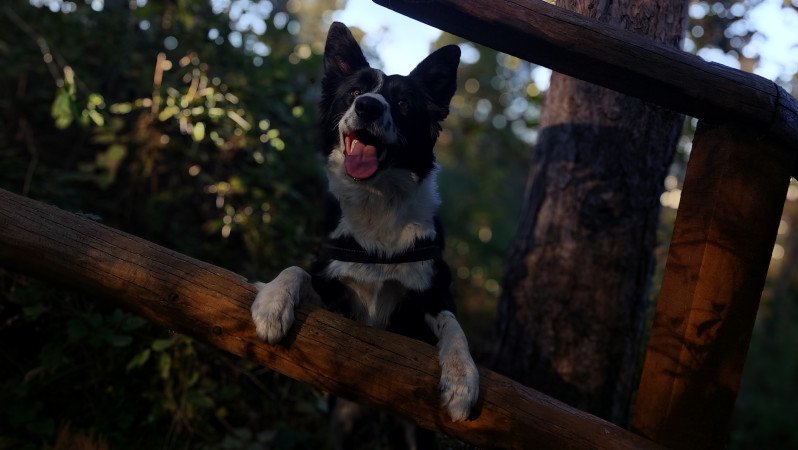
(438, 75)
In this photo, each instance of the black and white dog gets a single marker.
(381, 262)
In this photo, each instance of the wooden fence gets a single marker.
(742, 157)
(209, 303)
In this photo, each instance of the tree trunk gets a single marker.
(575, 294)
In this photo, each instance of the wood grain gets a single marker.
(717, 263)
(614, 58)
(332, 353)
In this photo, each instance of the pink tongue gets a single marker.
(361, 160)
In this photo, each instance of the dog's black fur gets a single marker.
(381, 262)
(427, 91)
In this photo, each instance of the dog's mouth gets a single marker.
(362, 152)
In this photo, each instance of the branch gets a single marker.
(328, 351)
(47, 55)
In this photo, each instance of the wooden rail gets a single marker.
(614, 58)
(332, 353)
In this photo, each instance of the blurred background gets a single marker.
(190, 123)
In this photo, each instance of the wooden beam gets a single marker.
(332, 353)
(717, 263)
(614, 58)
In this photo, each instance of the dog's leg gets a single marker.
(459, 376)
(273, 308)
(344, 417)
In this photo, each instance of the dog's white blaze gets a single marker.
(384, 128)
(380, 81)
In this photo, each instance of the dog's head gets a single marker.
(374, 123)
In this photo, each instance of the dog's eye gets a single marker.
(354, 93)
(403, 106)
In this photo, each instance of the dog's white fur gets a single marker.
(459, 376)
(385, 215)
(273, 308)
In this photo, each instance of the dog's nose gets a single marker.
(368, 108)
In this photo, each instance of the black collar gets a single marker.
(348, 250)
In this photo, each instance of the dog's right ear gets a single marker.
(342, 54)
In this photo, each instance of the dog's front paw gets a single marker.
(459, 384)
(273, 308)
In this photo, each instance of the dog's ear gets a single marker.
(342, 54)
(438, 75)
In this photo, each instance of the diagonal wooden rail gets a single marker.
(618, 59)
(332, 353)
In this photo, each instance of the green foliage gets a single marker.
(765, 413)
(101, 369)
(208, 155)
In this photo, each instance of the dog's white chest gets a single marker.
(378, 288)
(374, 303)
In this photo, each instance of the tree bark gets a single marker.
(575, 294)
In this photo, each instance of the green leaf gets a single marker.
(95, 100)
(119, 340)
(168, 112)
(121, 108)
(133, 323)
(160, 345)
(164, 365)
(138, 360)
(62, 109)
(198, 400)
(110, 161)
(96, 117)
(195, 376)
(198, 133)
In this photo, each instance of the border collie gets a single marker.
(381, 261)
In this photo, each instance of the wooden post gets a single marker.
(365, 364)
(725, 229)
